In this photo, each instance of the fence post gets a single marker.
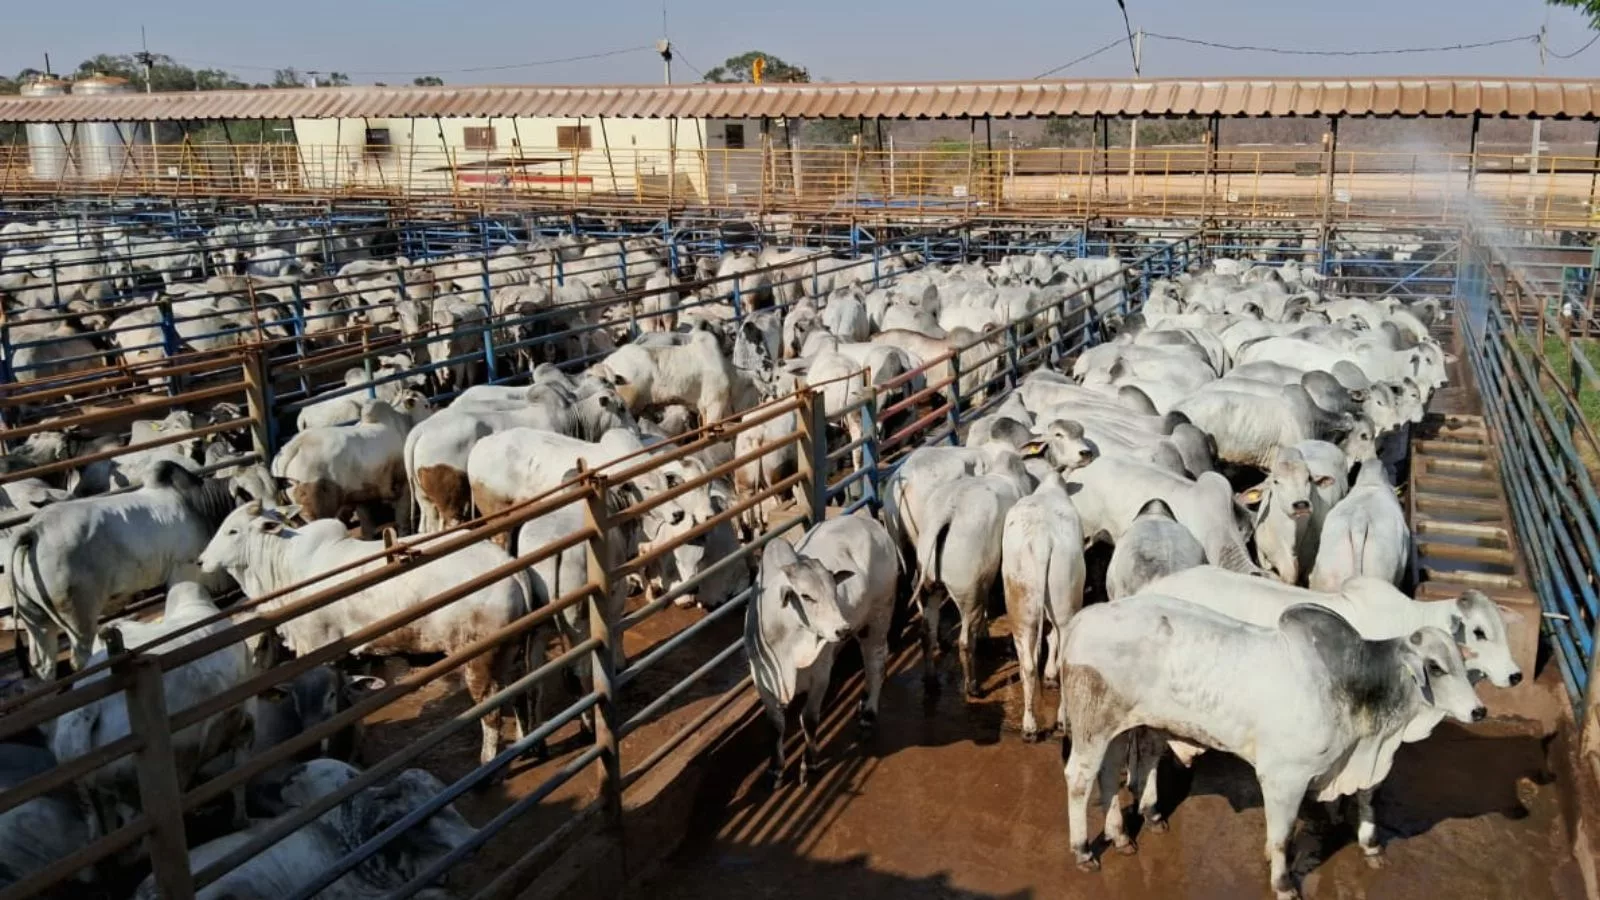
(813, 456)
(1012, 365)
(160, 794)
(597, 517)
(488, 322)
(869, 447)
(300, 332)
(954, 416)
(257, 402)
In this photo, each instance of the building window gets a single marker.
(573, 137)
(377, 140)
(480, 138)
(733, 137)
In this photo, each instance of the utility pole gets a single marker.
(1533, 153)
(1133, 129)
(148, 61)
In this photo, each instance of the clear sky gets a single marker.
(840, 40)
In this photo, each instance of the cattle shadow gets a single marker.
(716, 869)
(1455, 774)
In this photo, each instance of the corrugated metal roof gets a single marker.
(1442, 96)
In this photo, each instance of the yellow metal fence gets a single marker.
(961, 177)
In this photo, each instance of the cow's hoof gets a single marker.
(774, 777)
(540, 752)
(1156, 824)
(1060, 730)
(1088, 864)
(1374, 857)
(972, 690)
(866, 721)
(1125, 846)
(1051, 682)
(1030, 735)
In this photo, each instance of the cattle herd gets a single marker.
(1235, 442)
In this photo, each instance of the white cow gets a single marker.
(959, 550)
(113, 789)
(81, 558)
(1375, 607)
(341, 467)
(1308, 704)
(290, 865)
(1042, 568)
(1111, 491)
(837, 582)
(1365, 534)
(1155, 545)
(264, 555)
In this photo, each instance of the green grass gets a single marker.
(1559, 360)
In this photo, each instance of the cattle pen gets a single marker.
(643, 775)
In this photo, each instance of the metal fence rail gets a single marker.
(1550, 449)
(962, 177)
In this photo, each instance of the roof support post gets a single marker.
(1472, 154)
(1333, 150)
(672, 161)
(1594, 174)
(988, 160)
(1103, 126)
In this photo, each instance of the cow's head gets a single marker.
(1063, 444)
(803, 587)
(1480, 629)
(1361, 441)
(1434, 663)
(230, 548)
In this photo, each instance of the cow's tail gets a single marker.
(930, 557)
(23, 545)
(23, 542)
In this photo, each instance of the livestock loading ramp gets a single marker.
(1462, 532)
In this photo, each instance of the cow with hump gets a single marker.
(1309, 704)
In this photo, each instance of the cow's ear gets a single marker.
(841, 576)
(277, 694)
(1323, 481)
(270, 526)
(1417, 668)
(790, 598)
(1251, 497)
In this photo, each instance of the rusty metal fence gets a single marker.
(967, 176)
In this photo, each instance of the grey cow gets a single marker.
(1154, 546)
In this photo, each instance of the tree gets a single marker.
(335, 79)
(428, 81)
(288, 78)
(1068, 131)
(1590, 8)
(736, 70)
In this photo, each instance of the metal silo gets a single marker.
(48, 142)
(103, 146)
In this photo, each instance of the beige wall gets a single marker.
(625, 156)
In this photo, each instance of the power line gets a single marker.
(499, 68)
(1575, 52)
(1523, 38)
(1084, 58)
(677, 54)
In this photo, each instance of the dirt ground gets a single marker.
(947, 801)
